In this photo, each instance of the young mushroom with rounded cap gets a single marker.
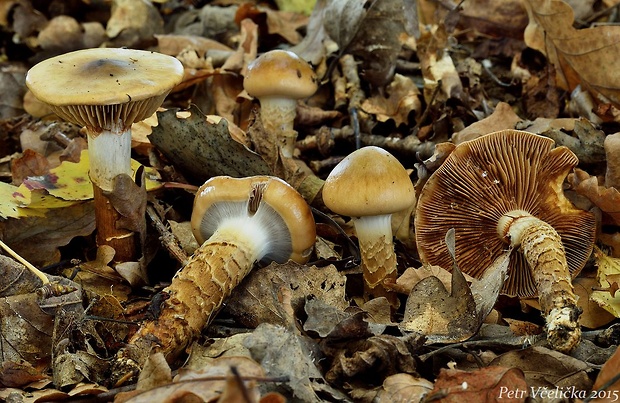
(369, 185)
(279, 78)
(238, 221)
(505, 189)
(106, 91)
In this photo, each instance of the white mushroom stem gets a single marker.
(110, 155)
(542, 248)
(374, 234)
(278, 117)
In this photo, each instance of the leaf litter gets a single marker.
(414, 80)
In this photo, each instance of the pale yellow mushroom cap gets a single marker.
(105, 87)
(369, 181)
(280, 73)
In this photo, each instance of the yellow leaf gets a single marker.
(11, 201)
(70, 180)
(608, 273)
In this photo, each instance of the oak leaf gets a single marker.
(583, 57)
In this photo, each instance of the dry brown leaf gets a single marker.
(37, 239)
(369, 30)
(610, 370)
(403, 98)
(612, 151)
(404, 388)
(284, 352)
(503, 117)
(607, 199)
(258, 301)
(31, 163)
(273, 22)
(64, 34)
(133, 22)
(413, 276)
(593, 315)
(499, 18)
(579, 56)
(376, 357)
(546, 369)
(13, 89)
(442, 316)
(489, 384)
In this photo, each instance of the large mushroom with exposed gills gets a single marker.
(506, 189)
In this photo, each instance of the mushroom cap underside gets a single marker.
(103, 76)
(369, 181)
(483, 179)
(290, 209)
(280, 73)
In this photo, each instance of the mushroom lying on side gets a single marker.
(279, 78)
(106, 91)
(369, 185)
(239, 222)
(502, 189)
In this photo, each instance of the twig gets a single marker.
(26, 263)
(168, 240)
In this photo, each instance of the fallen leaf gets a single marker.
(612, 149)
(503, 117)
(593, 316)
(404, 388)
(374, 358)
(202, 149)
(13, 89)
(369, 30)
(607, 275)
(132, 22)
(257, 300)
(37, 238)
(577, 55)
(442, 316)
(403, 98)
(607, 199)
(284, 353)
(601, 390)
(70, 181)
(489, 384)
(546, 369)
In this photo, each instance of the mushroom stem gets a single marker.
(109, 153)
(543, 250)
(196, 294)
(278, 116)
(374, 234)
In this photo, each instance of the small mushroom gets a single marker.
(369, 185)
(238, 221)
(106, 91)
(279, 78)
(505, 189)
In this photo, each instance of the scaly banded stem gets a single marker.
(192, 299)
(542, 248)
(374, 234)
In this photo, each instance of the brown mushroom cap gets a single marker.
(284, 212)
(368, 182)
(483, 179)
(280, 73)
(98, 88)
